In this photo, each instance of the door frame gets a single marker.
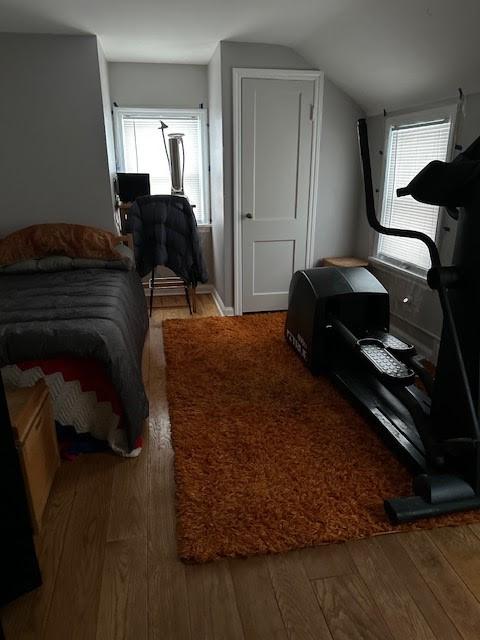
(272, 74)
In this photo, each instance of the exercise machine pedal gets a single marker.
(384, 362)
(392, 343)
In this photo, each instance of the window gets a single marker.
(141, 149)
(412, 143)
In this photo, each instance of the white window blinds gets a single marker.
(144, 152)
(410, 148)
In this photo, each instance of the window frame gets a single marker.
(164, 113)
(416, 117)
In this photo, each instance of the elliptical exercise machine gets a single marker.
(338, 323)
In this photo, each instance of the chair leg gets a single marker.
(194, 299)
(152, 286)
(187, 296)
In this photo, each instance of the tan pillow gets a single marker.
(72, 240)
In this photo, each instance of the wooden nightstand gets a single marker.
(32, 421)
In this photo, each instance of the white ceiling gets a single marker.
(384, 53)
(392, 55)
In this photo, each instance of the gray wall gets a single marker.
(53, 160)
(420, 318)
(135, 84)
(107, 120)
(339, 179)
(248, 55)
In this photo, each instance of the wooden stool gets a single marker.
(32, 420)
(344, 262)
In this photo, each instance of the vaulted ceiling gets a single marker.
(383, 53)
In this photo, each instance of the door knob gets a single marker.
(249, 215)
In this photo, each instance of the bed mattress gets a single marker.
(93, 314)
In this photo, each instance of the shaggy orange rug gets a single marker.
(267, 457)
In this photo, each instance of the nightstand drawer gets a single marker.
(31, 415)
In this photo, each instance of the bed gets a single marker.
(80, 324)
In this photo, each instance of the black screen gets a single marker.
(133, 185)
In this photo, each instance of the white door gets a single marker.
(276, 155)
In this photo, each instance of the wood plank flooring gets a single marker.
(110, 569)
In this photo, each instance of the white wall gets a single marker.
(135, 84)
(216, 170)
(53, 161)
(421, 317)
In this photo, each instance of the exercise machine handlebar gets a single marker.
(370, 201)
(436, 276)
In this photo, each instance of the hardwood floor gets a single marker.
(110, 569)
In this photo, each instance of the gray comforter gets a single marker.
(87, 313)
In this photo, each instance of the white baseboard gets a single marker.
(224, 311)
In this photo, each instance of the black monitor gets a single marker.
(133, 185)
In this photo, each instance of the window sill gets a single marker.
(397, 270)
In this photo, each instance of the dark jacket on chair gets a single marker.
(165, 232)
